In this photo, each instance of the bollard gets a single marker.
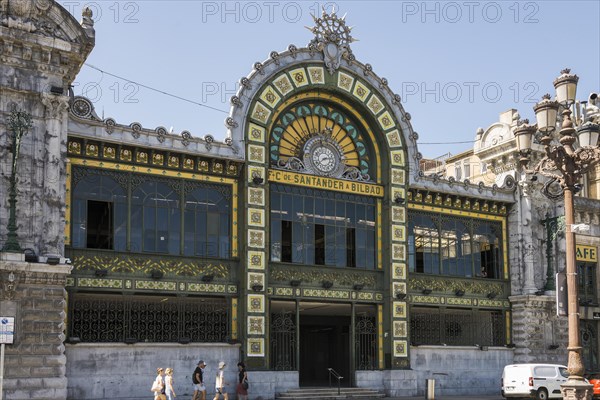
(430, 389)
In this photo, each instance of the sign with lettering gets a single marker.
(596, 315)
(7, 330)
(587, 253)
(320, 182)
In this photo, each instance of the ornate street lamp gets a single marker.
(565, 162)
(19, 122)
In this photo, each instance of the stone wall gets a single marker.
(537, 329)
(34, 365)
(457, 371)
(126, 371)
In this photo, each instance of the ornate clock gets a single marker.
(323, 156)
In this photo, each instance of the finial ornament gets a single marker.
(333, 38)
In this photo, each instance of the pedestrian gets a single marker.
(242, 386)
(158, 387)
(198, 380)
(169, 390)
(220, 383)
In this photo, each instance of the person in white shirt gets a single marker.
(220, 383)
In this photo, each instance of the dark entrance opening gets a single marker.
(324, 343)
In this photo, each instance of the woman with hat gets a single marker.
(220, 383)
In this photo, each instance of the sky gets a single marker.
(456, 64)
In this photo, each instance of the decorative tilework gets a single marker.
(400, 348)
(256, 303)
(345, 81)
(158, 159)
(361, 91)
(386, 121)
(188, 163)
(126, 155)
(316, 75)
(75, 147)
(398, 214)
(375, 105)
(398, 232)
(399, 309)
(400, 329)
(256, 133)
(91, 150)
(261, 113)
(255, 278)
(155, 285)
(256, 260)
(331, 294)
(256, 153)
(256, 325)
(398, 176)
(254, 170)
(398, 192)
(459, 302)
(283, 291)
(399, 287)
(110, 152)
(365, 296)
(203, 166)
(256, 196)
(398, 158)
(270, 97)
(399, 271)
(256, 217)
(141, 157)
(398, 252)
(393, 138)
(100, 283)
(206, 287)
(173, 162)
(256, 347)
(283, 84)
(427, 300)
(256, 238)
(299, 77)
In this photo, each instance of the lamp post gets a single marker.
(19, 122)
(565, 162)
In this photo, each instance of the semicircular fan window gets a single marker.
(315, 138)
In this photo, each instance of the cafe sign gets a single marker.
(320, 182)
(586, 253)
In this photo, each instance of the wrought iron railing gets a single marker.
(366, 343)
(133, 318)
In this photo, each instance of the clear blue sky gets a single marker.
(457, 65)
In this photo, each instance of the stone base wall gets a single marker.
(537, 330)
(126, 371)
(457, 371)
(34, 294)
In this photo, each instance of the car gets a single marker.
(537, 381)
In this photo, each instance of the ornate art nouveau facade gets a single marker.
(308, 239)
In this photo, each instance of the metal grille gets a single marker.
(116, 318)
(283, 341)
(457, 327)
(366, 343)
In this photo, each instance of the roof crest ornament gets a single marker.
(333, 38)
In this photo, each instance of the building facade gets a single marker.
(308, 239)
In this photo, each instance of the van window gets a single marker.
(563, 372)
(544, 372)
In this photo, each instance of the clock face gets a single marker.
(324, 159)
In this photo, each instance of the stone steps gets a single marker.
(329, 394)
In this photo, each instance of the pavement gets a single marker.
(498, 397)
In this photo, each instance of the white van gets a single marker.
(536, 381)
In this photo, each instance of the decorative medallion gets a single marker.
(324, 156)
(333, 38)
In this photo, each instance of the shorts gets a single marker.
(199, 387)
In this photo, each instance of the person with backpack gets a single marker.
(198, 380)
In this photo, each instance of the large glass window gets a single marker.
(170, 216)
(323, 228)
(456, 246)
(586, 280)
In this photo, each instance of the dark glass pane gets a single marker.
(189, 229)
(286, 241)
(320, 244)
(275, 239)
(99, 225)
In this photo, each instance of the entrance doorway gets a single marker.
(312, 337)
